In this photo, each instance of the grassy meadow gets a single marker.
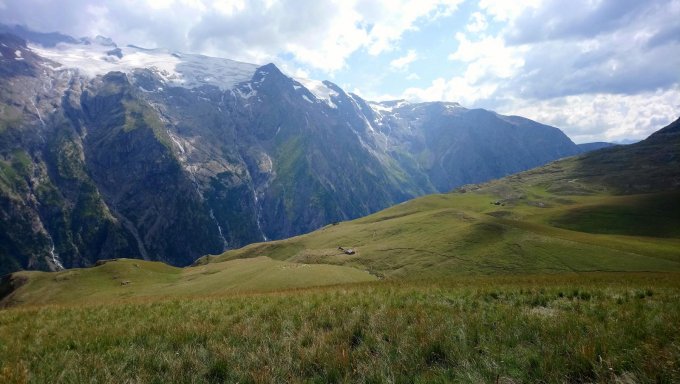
(595, 327)
(568, 273)
(530, 231)
(124, 279)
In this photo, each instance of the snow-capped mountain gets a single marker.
(99, 56)
(111, 151)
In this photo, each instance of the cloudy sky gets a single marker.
(598, 69)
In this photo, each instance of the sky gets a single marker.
(600, 70)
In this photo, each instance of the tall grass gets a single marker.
(577, 328)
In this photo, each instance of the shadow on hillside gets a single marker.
(652, 165)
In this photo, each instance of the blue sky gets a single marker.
(418, 58)
(597, 69)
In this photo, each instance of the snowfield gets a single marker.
(176, 69)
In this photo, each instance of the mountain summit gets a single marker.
(110, 151)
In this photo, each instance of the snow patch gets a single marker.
(17, 53)
(307, 99)
(320, 91)
(250, 92)
(387, 106)
(183, 70)
(453, 107)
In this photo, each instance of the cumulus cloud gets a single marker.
(402, 63)
(581, 18)
(555, 63)
(609, 117)
(487, 58)
(503, 10)
(477, 23)
(604, 69)
(319, 34)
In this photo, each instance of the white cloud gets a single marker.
(160, 4)
(229, 8)
(533, 57)
(456, 89)
(402, 63)
(391, 18)
(607, 117)
(321, 34)
(488, 58)
(477, 23)
(614, 77)
(504, 10)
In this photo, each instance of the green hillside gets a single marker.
(566, 273)
(613, 210)
(617, 209)
(126, 279)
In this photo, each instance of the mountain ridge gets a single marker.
(550, 220)
(164, 163)
(615, 209)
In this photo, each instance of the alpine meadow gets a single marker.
(170, 215)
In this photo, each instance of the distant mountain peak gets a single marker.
(180, 155)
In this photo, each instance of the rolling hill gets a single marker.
(616, 209)
(126, 279)
(565, 273)
(612, 210)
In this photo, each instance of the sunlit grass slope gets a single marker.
(524, 279)
(616, 209)
(569, 328)
(128, 279)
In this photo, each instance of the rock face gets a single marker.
(453, 145)
(126, 152)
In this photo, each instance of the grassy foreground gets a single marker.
(560, 328)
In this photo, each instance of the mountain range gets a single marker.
(615, 210)
(612, 211)
(109, 151)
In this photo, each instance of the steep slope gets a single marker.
(616, 209)
(456, 146)
(111, 151)
(566, 217)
